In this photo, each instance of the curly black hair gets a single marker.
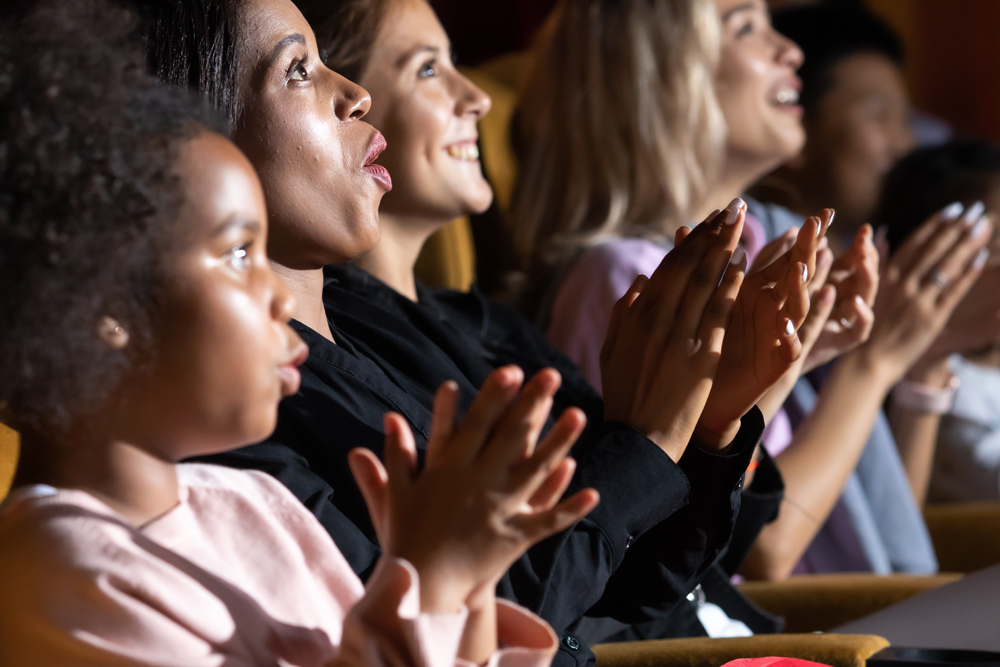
(88, 204)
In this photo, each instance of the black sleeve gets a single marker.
(667, 562)
(758, 507)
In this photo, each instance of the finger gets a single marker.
(372, 480)
(953, 294)
(802, 250)
(775, 249)
(538, 526)
(683, 231)
(495, 397)
(443, 421)
(618, 316)
(518, 430)
(826, 216)
(400, 453)
(553, 448)
(866, 276)
(796, 293)
(790, 347)
(704, 283)
(553, 487)
(819, 312)
(719, 310)
(912, 247)
(961, 253)
(824, 261)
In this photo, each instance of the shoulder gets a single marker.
(238, 488)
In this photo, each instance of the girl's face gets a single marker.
(225, 353)
(428, 112)
(301, 128)
(757, 86)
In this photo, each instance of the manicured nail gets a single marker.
(739, 258)
(861, 302)
(981, 258)
(952, 210)
(789, 328)
(805, 273)
(833, 214)
(973, 213)
(846, 323)
(733, 211)
(981, 227)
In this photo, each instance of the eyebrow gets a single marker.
(746, 6)
(423, 48)
(237, 222)
(296, 38)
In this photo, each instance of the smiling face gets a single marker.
(859, 130)
(428, 112)
(226, 354)
(301, 128)
(757, 87)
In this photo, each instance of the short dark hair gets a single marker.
(829, 33)
(346, 31)
(194, 44)
(88, 206)
(928, 179)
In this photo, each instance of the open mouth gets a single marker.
(786, 97)
(377, 171)
(464, 151)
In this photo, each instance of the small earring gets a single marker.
(113, 333)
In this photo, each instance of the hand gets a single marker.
(855, 277)
(666, 333)
(975, 322)
(761, 343)
(921, 285)
(486, 493)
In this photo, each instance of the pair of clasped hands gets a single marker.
(689, 351)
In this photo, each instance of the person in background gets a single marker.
(966, 462)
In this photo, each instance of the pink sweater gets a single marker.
(237, 574)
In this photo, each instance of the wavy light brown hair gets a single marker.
(619, 132)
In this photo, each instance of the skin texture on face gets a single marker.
(225, 353)
(302, 130)
(859, 131)
(428, 112)
(757, 88)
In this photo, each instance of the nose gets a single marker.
(789, 53)
(472, 100)
(282, 301)
(350, 101)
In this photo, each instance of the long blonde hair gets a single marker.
(619, 132)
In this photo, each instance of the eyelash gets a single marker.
(299, 66)
(745, 30)
(429, 65)
(239, 257)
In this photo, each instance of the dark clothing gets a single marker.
(387, 359)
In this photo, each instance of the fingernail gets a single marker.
(739, 257)
(973, 213)
(981, 258)
(833, 214)
(789, 328)
(805, 273)
(952, 210)
(980, 227)
(733, 211)
(858, 300)
(846, 323)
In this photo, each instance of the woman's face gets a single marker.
(428, 112)
(301, 128)
(757, 87)
(225, 353)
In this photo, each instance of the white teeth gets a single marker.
(465, 152)
(787, 96)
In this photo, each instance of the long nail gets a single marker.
(952, 210)
(733, 211)
(981, 226)
(805, 273)
(739, 258)
(789, 328)
(861, 302)
(829, 224)
(973, 213)
(981, 258)
(846, 323)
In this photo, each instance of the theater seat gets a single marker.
(9, 448)
(966, 536)
(833, 650)
(819, 602)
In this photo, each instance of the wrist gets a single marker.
(716, 437)
(441, 591)
(931, 372)
(871, 366)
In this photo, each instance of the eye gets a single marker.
(298, 72)
(745, 29)
(238, 258)
(427, 70)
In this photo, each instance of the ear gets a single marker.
(112, 333)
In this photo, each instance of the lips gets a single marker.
(785, 94)
(288, 373)
(377, 171)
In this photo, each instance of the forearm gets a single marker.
(916, 431)
(815, 467)
(479, 639)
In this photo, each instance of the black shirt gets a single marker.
(386, 359)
